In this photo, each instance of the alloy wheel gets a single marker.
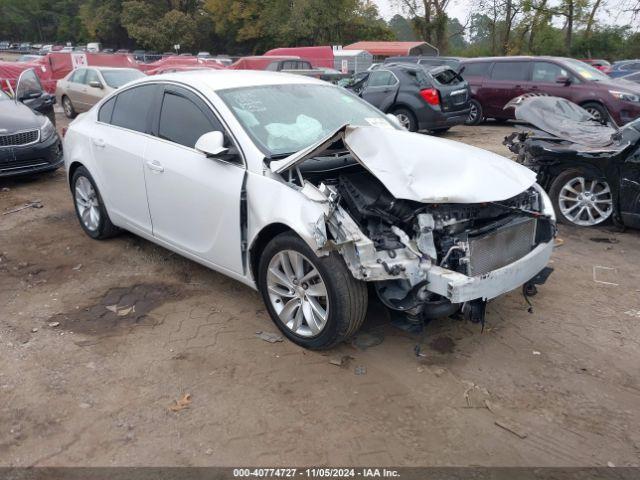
(473, 113)
(404, 120)
(585, 202)
(68, 109)
(595, 113)
(87, 203)
(297, 293)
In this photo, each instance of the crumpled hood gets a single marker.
(424, 168)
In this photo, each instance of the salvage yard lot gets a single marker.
(87, 380)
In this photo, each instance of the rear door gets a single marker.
(506, 81)
(119, 140)
(630, 190)
(381, 89)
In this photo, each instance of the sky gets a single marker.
(611, 14)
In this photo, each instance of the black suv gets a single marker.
(435, 99)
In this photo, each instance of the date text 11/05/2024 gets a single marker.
(315, 473)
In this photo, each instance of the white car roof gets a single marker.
(223, 79)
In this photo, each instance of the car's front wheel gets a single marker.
(90, 209)
(580, 199)
(314, 301)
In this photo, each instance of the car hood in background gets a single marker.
(15, 117)
(424, 168)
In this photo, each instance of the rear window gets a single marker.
(447, 76)
(514, 71)
(106, 110)
(476, 69)
(132, 107)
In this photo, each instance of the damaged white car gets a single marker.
(305, 192)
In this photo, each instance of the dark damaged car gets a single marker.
(591, 170)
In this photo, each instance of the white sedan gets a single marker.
(305, 192)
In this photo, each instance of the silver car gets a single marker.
(84, 87)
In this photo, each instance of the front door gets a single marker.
(194, 200)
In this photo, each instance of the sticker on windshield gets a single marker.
(347, 99)
(378, 122)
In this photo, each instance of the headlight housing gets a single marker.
(627, 97)
(47, 130)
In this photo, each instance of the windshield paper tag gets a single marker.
(378, 122)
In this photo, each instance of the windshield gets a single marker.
(117, 78)
(585, 71)
(283, 119)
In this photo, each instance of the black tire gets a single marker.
(412, 123)
(347, 297)
(67, 107)
(598, 111)
(105, 229)
(476, 115)
(554, 194)
(440, 131)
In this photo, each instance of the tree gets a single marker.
(402, 29)
(429, 20)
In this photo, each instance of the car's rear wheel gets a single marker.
(314, 301)
(67, 107)
(475, 113)
(581, 200)
(407, 119)
(90, 209)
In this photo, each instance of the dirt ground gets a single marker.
(82, 385)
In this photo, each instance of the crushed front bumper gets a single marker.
(459, 288)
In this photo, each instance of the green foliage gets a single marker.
(402, 29)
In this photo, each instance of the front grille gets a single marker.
(502, 246)
(19, 139)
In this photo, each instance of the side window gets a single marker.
(514, 71)
(547, 72)
(184, 120)
(132, 107)
(273, 66)
(106, 110)
(92, 76)
(381, 78)
(476, 69)
(78, 76)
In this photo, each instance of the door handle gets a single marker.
(98, 142)
(155, 166)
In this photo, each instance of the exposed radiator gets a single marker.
(501, 247)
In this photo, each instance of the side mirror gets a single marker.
(563, 80)
(211, 144)
(96, 84)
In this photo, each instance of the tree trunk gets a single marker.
(536, 22)
(568, 39)
(507, 27)
(591, 18)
